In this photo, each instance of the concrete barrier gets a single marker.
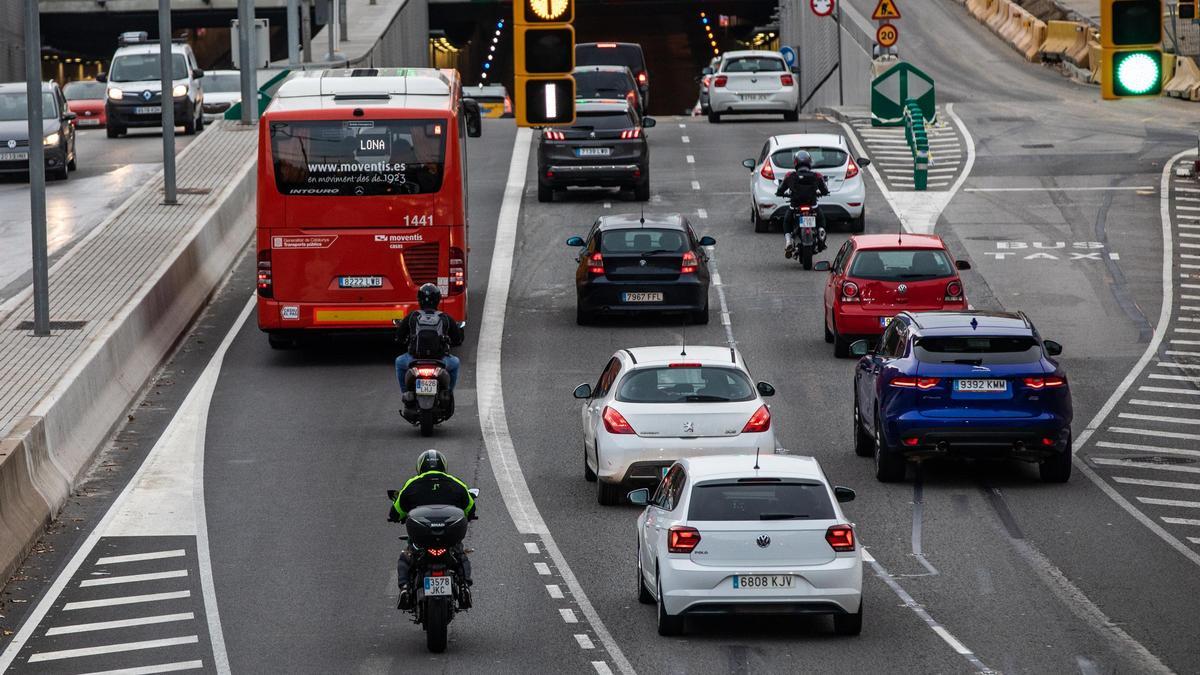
(1029, 40)
(1065, 40)
(24, 508)
(1186, 82)
(999, 17)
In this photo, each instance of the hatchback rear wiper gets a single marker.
(701, 398)
(656, 251)
(966, 362)
(781, 516)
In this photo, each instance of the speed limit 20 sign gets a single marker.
(887, 35)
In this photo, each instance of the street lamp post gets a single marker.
(37, 168)
(165, 63)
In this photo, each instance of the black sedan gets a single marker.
(606, 147)
(633, 264)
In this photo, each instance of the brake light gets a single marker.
(606, 45)
(1050, 382)
(704, 81)
(436, 552)
(954, 291)
(552, 135)
(264, 274)
(426, 371)
(851, 169)
(1048, 442)
(507, 106)
(689, 263)
(458, 271)
(766, 171)
(641, 78)
(922, 383)
(615, 423)
(596, 264)
(720, 81)
(849, 291)
(840, 538)
(631, 133)
(437, 573)
(786, 80)
(912, 441)
(684, 365)
(759, 422)
(682, 539)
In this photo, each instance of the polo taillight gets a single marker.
(1049, 382)
(596, 264)
(954, 291)
(840, 538)
(689, 263)
(849, 291)
(458, 271)
(759, 422)
(720, 81)
(615, 423)
(264, 274)
(682, 539)
(786, 80)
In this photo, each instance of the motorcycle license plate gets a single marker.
(437, 585)
(808, 221)
(427, 387)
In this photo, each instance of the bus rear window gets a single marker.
(359, 157)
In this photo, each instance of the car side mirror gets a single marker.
(748, 163)
(197, 73)
(102, 77)
(474, 492)
(474, 117)
(843, 494)
(1053, 348)
(708, 70)
(707, 241)
(860, 348)
(392, 494)
(648, 122)
(863, 161)
(68, 115)
(822, 266)
(639, 497)
(765, 389)
(576, 241)
(962, 264)
(583, 391)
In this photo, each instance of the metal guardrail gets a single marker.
(916, 132)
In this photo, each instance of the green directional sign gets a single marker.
(896, 85)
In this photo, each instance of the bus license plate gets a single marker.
(360, 282)
(148, 110)
(755, 581)
(437, 585)
(989, 386)
(426, 387)
(14, 156)
(641, 297)
(593, 152)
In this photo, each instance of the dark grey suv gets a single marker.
(58, 132)
(606, 147)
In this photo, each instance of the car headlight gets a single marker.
(179, 91)
(50, 140)
(115, 94)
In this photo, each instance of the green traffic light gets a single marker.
(1137, 73)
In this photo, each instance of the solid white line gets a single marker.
(531, 547)
(1147, 448)
(122, 623)
(1058, 189)
(584, 641)
(601, 668)
(148, 670)
(1124, 480)
(1130, 464)
(133, 578)
(716, 279)
(1181, 521)
(489, 398)
(138, 557)
(113, 649)
(542, 568)
(1169, 502)
(554, 591)
(568, 615)
(951, 640)
(126, 600)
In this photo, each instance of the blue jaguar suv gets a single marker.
(968, 384)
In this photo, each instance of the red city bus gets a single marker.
(362, 198)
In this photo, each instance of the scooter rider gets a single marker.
(432, 485)
(803, 187)
(425, 338)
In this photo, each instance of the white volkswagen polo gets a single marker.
(736, 535)
(654, 405)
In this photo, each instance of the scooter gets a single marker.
(809, 236)
(428, 398)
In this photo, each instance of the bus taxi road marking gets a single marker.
(174, 469)
(489, 398)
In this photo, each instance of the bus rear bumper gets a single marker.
(277, 316)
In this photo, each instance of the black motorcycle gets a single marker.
(428, 398)
(808, 235)
(436, 577)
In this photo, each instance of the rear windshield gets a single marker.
(901, 265)
(359, 157)
(977, 349)
(616, 55)
(643, 240)
(754, 64)
(84, 91)
(602, 84)
(604, 121)
(785, 500)
(685, 385)
(143, 67)
(823, 158)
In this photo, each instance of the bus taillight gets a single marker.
(458, 271)
(264, 273)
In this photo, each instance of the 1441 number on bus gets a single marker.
(420, 220)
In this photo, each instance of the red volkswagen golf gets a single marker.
(876, 276)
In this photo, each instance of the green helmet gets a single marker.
(431, 460)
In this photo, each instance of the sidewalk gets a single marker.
(118, 301)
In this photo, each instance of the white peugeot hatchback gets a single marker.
(736, 535)
(846, 201)
(654, 405)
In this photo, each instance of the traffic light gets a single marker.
(1131, 48)
(545, 56)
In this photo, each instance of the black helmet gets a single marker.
(428, 296)
(431, 460)
(803, 160)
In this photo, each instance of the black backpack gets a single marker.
(428, 338)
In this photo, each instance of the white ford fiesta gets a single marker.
(728, 536)
(654, 405)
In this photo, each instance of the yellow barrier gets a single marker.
(1012, 28)
(989, 10)
(1186, 83)
(1066, 41)
(1000, 16)
(1035, 35)
(978, 8)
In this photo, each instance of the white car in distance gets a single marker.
(735, 535)
(753, 82)
(654, 405)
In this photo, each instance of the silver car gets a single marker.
(753, 82)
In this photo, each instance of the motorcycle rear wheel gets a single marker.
(427, 422)
(806, 256)
(437, 624)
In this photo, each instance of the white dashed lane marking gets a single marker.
(568, 615)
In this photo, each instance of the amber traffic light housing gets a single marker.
(1131, 34)
(544, 51)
